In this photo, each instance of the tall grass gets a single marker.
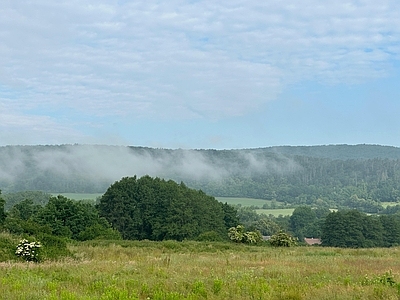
(199, 270)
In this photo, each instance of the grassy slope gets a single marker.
(79, 196)
(243, 201)
(276, 212)
(190, 270)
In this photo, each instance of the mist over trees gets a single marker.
(339, 176)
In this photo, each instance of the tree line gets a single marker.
(131, 208)
(342, 228)
(157, 209)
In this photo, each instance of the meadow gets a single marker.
(200, 270)
(276, 212)
(79, 196)
(245, 202)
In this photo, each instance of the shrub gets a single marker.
(209, 236)
(282, 239)
(7, 246)
(252, 237)
(29, 251)
(55, 247)
(237, 234)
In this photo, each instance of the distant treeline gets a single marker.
(336, 176)
(149, 208)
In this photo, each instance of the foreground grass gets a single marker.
(190, 270)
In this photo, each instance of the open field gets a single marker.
(79, 196)
(243, 201)
(386, 204)
(276, 212)
(192, 270)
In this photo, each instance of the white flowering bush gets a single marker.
(29, 251)
(238, 235)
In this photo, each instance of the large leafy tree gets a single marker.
(156, 209)
(302, 217)
(352, 229)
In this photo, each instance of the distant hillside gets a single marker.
(342, 152)
(333, 175)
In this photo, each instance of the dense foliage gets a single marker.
(353, 229)
(59, 217)
(156, 209)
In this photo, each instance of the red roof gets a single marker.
(312, 241)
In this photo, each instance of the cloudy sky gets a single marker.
(200, 74)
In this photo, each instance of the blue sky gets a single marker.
(200, 74)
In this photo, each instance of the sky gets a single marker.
(200, 74)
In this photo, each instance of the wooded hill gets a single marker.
(351, 176)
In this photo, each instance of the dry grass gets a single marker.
(192, 270)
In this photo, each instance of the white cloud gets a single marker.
(180, 59)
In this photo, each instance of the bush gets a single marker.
(237, 234)
(282, 239)
(29, 251)
(209, 236)
(7, 247)
(98, 232)
(54, 247)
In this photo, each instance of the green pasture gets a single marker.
(79, 196)
(276, 212)
(194, 271)
(243, 201)
(386, 204)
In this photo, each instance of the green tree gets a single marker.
(391, 230)
(352, 229)
(2, 212)
(25, 210)
(70, 218)
(302, 217)
(156, 209)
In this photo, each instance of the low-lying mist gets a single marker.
(106, 164)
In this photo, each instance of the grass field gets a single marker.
(386, 204)
(244, 201)
(276, 212)
(192, 270)
(79, 196)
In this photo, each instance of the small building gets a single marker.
(312, 241)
